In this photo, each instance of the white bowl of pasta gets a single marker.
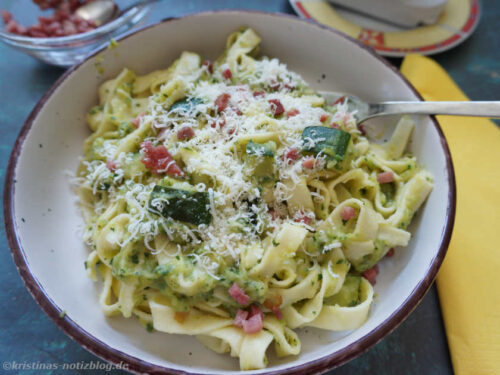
(221, 205)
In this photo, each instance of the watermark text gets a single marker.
(66, 366)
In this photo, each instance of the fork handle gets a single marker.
(476, 109)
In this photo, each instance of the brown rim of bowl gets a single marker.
(137, 365)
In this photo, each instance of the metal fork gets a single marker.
(366, 111)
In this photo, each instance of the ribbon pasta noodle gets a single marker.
(228, 201)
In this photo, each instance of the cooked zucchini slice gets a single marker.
(183, 205)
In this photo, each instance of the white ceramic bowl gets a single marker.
(43, 222)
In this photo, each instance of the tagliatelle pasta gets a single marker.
(229, 201)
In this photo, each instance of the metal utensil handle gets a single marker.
(477, 109)
(138, 4)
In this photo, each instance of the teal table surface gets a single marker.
(27, 335)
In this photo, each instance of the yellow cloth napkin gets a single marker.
(469, 279)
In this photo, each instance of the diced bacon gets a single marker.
(390, 253)
(362, 129)
(227, 74)
(83, 28)
(112, 165)
(180, 316)
(6, 16)
(219, 123)
(293, 112)
(37, 34)
(309, 162)
(12, 26)
(237, 110)
(258, 93)
(276, 107)
(159, 160)
(36, 28)
(185, 133)
(301, 217)
(137, 121)
(255, 310)
(347, 118)
(241, 316)
(69, 27)
(62, 14)
(339, 100)
(210, 66)
(290, 155)
(222, 101)
(22, 30)
(253, 324)
(44, 21)
(69, 23)
(274, 214)
(53, 27)
(324, 117)
(348, 213)
(335, 125)
(59, 32)
(371, 274)
(77, 20)
(273, 303)
(277, 313)
(239, 294)
(385, 177)
(274, 85)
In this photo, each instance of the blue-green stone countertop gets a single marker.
(417, 347)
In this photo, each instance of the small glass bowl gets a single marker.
(69, 50)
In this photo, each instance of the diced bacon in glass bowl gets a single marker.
(63, 22)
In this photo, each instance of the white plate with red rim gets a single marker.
(456, 23)
(42, 220)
